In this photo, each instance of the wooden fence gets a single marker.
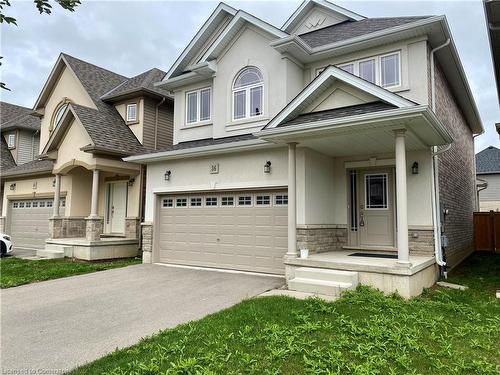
(487, 231)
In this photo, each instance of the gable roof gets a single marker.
(488, 161)
(322, 82)
(16, 117)
(6, 159)
(36, 166)
(351, 29)
(307, 5)
(143, 82)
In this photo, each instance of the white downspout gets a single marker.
(435, 173)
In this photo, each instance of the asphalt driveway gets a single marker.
(56, 325)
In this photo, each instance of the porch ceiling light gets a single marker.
(12, 186)
(267, 167)
(414, 168)
(167, 175)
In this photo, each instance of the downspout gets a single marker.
(141, 202)
(156, 121)
(438, 250)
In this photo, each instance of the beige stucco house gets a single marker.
(348, 136)
(79, 198)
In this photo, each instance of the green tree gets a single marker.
(43, 6)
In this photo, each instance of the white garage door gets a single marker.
(242, 231)
(29, 222)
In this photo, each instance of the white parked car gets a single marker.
(5, 244)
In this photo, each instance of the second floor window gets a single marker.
(198, 106)
(132, 112)
(11, 140)
(248, 92)
(58, 115)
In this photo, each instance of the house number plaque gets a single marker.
(214, 168)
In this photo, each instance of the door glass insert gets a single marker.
(354, 201)
(376, 191)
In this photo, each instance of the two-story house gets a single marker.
(347, 136)
(20, 139)
(79, 198)
(488, 176)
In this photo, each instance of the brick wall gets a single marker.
(456, 174)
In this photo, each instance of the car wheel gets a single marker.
(3, 249)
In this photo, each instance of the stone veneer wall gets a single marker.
(94, 228)
(67, 227)
(421, 242)
(147, 242)
(456, 174)
(321, 238)
(132, 227)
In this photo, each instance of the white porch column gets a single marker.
(57, 196)
(292, 201)
(401, 199)
(95, 193)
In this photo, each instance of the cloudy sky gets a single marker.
(133, 36)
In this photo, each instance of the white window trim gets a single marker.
(252, 200)
(228, 205)
(398, 53)
(247, 99)
(264, 195)
(128, 119)
(166, 199)
(387, 192)
(12, 144)
(376, 68)
(275, 195)
(181, 198)
(194, 206)
(198, 107)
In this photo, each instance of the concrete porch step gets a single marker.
(50, 254)
(327, 275)
(55, 251)
(329, 288)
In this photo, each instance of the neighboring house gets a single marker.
(79, 198)
(488, 174)
(335, 133)
(20, 138)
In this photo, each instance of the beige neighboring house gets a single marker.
(347, 136)
(488, 176)
(79, 198)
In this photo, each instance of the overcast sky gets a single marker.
(134, 36)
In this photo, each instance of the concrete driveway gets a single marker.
(61, 324)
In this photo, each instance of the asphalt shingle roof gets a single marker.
(488, 161)
(16, 117)
(33, 166)
(6, 159)
(335, 113)
(105, 126)
(144, 81)
(351, 29)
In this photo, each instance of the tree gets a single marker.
(43, 6)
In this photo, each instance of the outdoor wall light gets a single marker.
(414, 168)
(267, 167)
(131, 182)
(167, 175)
(54, 182)
(12, 187)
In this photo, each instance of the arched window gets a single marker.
(58, 115)
(248, 91)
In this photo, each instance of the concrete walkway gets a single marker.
(61, 324)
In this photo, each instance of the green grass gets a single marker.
(442, 332)
(16, 271)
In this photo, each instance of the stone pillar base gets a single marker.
(2, 224)
(56, 227)
(147, 242)
(132, 227)
(94, 228)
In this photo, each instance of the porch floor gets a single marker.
(105, 241)
(341, 260)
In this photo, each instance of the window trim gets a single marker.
(276, 195)
(398, 54)
(245, 196)
(136, 119)
(227, 205)
(247, 89)
(387, 197)
(198, 121)
(165, 200)
(263, 195)
(64, 104)
(9, 145)
(180, 199)
(195, 206)
(375, 68)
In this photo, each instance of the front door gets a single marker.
(116, 209)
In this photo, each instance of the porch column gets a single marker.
(95, 193)
(401, 199)
(57, 196)
(292, 201)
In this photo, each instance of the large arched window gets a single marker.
(58, 115)
(248, 92)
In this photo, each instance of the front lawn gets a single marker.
(443, 332)
(16, 271)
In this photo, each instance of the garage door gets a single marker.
(29, 222)
(242, 231)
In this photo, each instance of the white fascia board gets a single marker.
(348, 78)
(57, 66)
(200, 151)
(307, 5)
(220, 8)
(178, 81)
(234, 186)
(242, 16)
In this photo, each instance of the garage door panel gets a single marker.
(251, 238)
